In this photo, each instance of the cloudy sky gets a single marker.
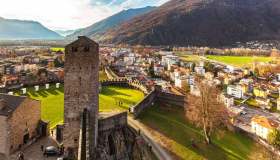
(68, 14)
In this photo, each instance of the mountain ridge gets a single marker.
(97, 29)
(203, 23)
(14, 29)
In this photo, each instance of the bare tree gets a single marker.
(206, 111)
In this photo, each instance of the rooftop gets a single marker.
(9, 103)
(265, 122)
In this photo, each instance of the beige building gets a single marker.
(19, 122)
(262, 126)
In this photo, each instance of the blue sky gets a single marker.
(68, 14)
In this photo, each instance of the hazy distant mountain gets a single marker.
(65, 33)
(98, 28)
(11, 29)
(202, 22)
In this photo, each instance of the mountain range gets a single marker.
(97, 30)
(202, 23)
(11, 29)
(213, 23)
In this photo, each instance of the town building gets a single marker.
(263, 102)
(19, 122)
(200, 70)
(262, 126)
(235, 91)
(278, 104)
(227, 100)
(130, 59)
(181, 81)
(170, 60)
(209, 76)
(260, 92)
(158, 69)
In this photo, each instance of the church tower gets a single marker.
(81, 87)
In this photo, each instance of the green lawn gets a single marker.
(239, 61)
(52, 101)
(172, 124)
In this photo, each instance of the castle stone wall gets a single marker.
(171, 99)
(145, 103)
(4, 147)
(115, 121)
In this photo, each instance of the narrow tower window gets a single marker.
(86, 49)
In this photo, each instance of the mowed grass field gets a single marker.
(170, 123)
(239, 61)
(52, 101)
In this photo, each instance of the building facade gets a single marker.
(19, 122)
(262, 126)
(235, 91)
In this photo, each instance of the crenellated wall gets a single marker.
(123, 82)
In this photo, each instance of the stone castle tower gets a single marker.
(81, 91)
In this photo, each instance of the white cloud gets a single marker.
(65, 14)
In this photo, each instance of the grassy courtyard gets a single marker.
(52, 101)
(177, 134)
(239, 61)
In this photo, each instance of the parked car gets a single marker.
(243, 113)
(51, 151)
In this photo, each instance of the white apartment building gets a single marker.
(200, 70)
(170, 60)
(235, 91)
(158, 69)
(227, 100)
(130, 59)
(262, 126)
(181, 81)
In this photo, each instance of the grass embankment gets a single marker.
(178, 134)
(239, 61)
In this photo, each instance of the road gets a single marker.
(160, 152)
